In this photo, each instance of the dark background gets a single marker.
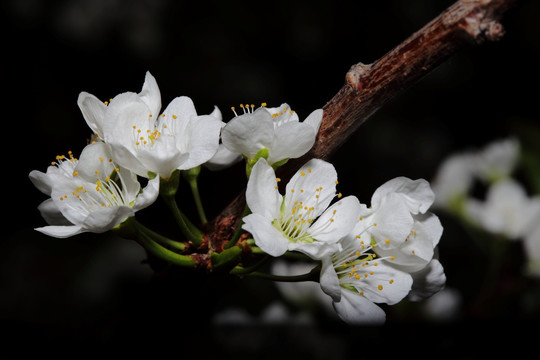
(95, 290)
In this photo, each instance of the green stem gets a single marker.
(239, 270)
(238, 230)
(163, 253)
(132, 229)
(167, 190)
(190, 231)
(196, 196)
(161, 239)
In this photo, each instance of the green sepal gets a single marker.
(263, 153)
(279, 163)
(227, 259)
(191, 174)
(168, 187)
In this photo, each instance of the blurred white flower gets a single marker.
(497, 160)
(507, 210)
(453, 181)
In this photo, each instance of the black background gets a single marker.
(96, 290)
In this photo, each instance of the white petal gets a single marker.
(163, 157)
(150, 94)
(315, 250)
(52, 214)
(148, 195)
(262, 195)
(329, 279)
(128, 159)
(93, 111)
(217, 114)
(203, 141)
(417, 194)
(267, 237)
(428, 281)
(431, 225)
(125, 111)
(222, 159)
(249, 133)
(60, 231)
(291, 140)
(314, 184)
(41, 181)
(181, 108)
(391, 221)
(387, 284)
(337, 221)
(94, 162)
(355, 309)
(105, 219)
(314, 119)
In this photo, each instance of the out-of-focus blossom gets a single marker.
(507, 210)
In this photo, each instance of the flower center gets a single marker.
(299, 210)
(65, 164)
(357, 266)
(145, 137)
(282, 116)
(105, 192)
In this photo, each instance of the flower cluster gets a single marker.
(366, 255)
(507, 210)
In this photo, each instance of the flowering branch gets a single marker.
(369, 87)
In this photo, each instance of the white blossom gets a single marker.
(95, 197)
(276, 129)
(302, 219)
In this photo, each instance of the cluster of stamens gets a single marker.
(357, 263)
(299, 215)
(247, 109)
(107, 191)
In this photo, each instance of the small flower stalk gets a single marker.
(362, 256)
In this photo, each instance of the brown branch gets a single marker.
(368, 87)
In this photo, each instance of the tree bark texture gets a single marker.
(368, 87)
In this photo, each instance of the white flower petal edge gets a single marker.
(355, 309)
(428, 281)
(93, 111)
(266, 236)
(300, 218)
(417, 194)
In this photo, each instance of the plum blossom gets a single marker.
(142, 140)
(399, 222)
(91, 194)
(302, 219)
(276, 129)
(357, 280)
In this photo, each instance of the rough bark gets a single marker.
(368, 87)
